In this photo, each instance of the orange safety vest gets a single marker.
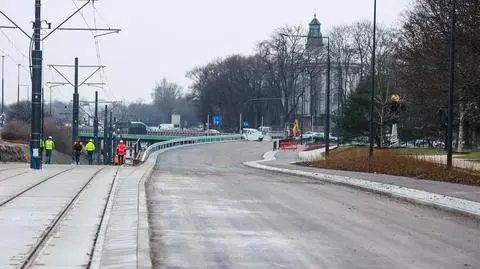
(121, 149)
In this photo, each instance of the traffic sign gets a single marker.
(217, 120)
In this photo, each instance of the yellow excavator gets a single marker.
(295, 130)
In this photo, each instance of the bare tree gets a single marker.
(342, 48)
(362, 44)
(284, 55)
(165, 96)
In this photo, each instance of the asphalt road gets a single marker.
(208, 211)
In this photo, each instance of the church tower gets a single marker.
(315, 39)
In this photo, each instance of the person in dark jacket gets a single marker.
(77, 148)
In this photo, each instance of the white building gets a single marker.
(343, 79)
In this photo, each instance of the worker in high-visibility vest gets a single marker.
(49, 146)
(90, 148)
(42, 148)
(121, 150)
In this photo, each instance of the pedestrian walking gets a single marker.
(49, 146)
(77, 149)
(121, 150)
(90, 148)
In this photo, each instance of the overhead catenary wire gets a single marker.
(7, 55)
(13, 44)
(103, 76)
(103, 73)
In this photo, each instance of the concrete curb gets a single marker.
(443, 202)
(97, 253)
(143, 230)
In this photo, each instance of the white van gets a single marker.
(252, 134)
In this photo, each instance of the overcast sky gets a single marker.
(162, 38)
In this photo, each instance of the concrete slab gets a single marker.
(122, 232)
(124, 242)
(72, 242)
(25, 219)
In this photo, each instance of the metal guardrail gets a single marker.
(187, 141)
(162, 134)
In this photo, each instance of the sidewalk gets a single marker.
(123, 241)
(285, 159)
(448, 196)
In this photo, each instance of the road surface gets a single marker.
(209, 211)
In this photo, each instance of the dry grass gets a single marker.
(391, 163)
(61, 135)
(17, 131)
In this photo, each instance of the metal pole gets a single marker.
(37, 62)
(95, 129)
(43, 110)
(240, 125)
(327, 102)
(312, 122)
(452, 86)
(50, 100)
(75, 107)
(372, 93)
(208, 121)
(110, 141)
(301, 124)
(105, 141)
(114, 138)
(18, 85)
(3, 83)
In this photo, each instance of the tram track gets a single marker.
(47, 233)
(20, 193)
(12, 176)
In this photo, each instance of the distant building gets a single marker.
(343, 79)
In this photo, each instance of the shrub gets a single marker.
(16, 131)
(386, 161)
(61, 136)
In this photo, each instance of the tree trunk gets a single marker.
(461, 130)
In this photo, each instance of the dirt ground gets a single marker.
(16, 152)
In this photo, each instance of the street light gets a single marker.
(327, 98)
(3, 83)
(372, 93)
(50, 103)
(452, 86)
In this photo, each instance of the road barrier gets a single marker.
(288, 145)
(188, 141)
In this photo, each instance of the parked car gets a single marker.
(212, 132)
(309, 135)
(252, 134)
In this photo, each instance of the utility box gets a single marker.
(176, 121)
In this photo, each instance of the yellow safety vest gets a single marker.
(49, 144)
(90, 146)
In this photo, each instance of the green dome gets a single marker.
(315, 21)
